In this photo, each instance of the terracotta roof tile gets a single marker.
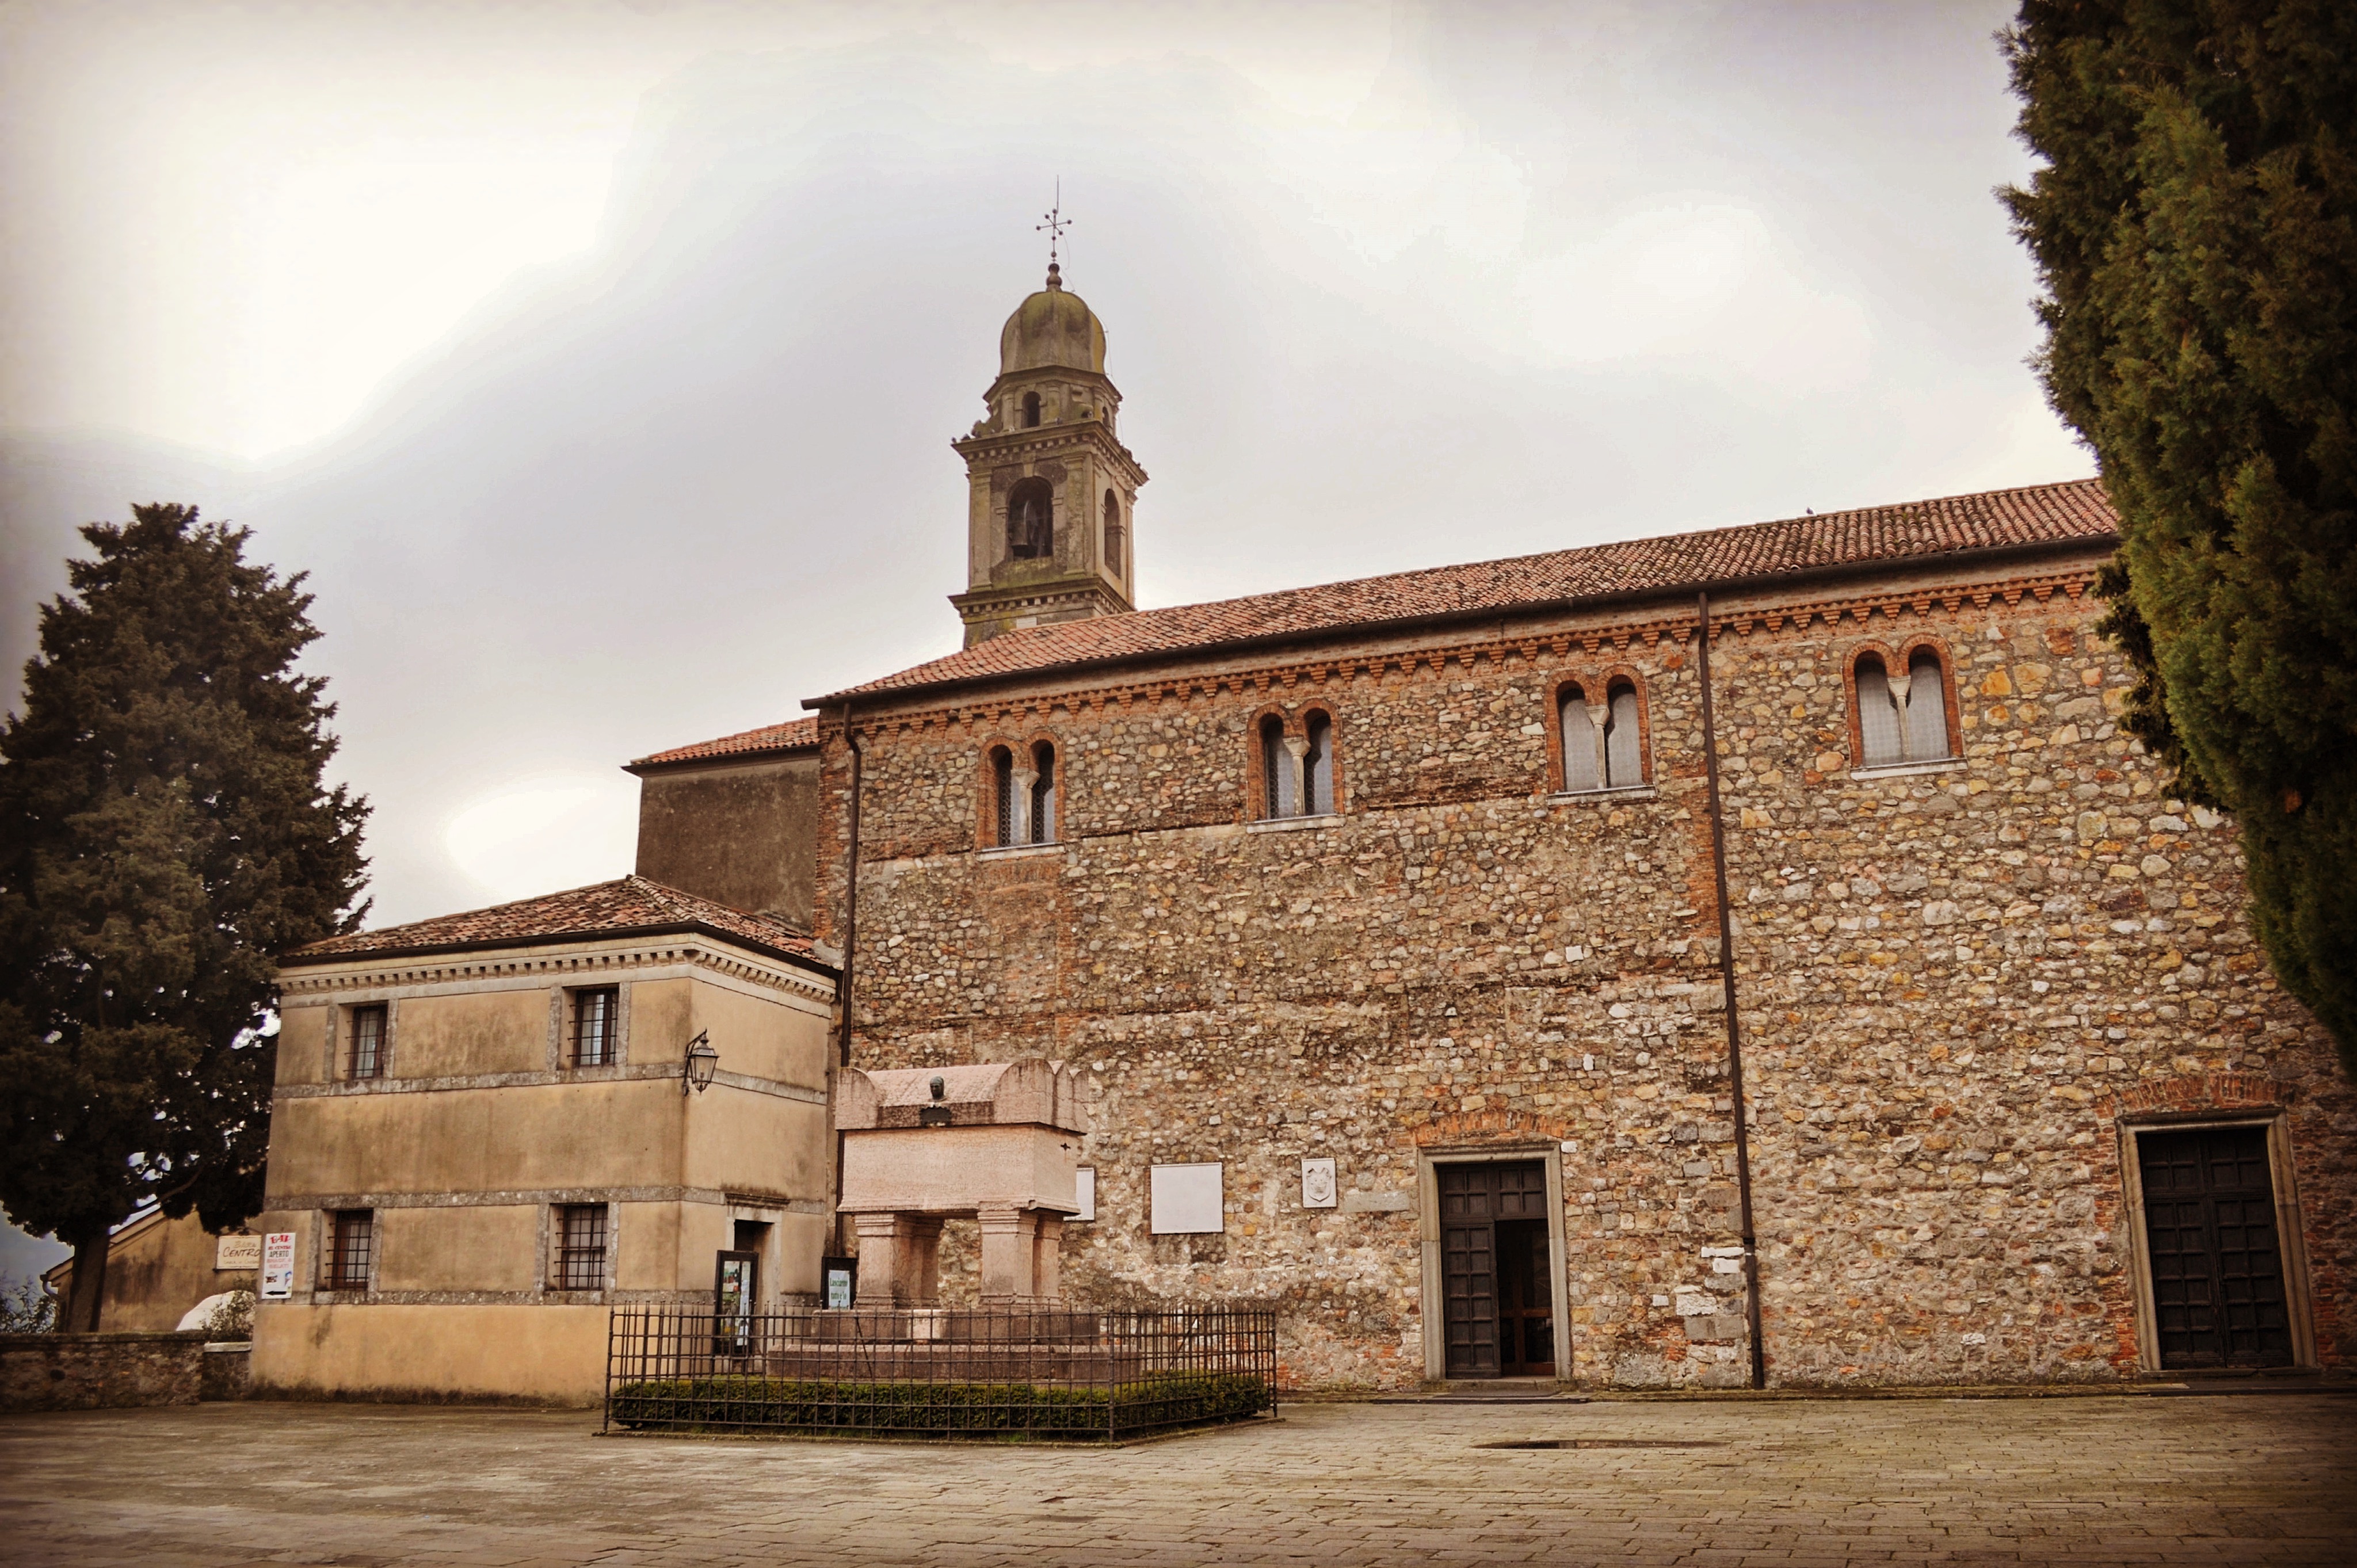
(633, 904)
(791, 735)
(1915, 531)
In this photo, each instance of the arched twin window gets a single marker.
(1902, 718)
(1023, 795)
(1298, 766)
(1031, 520)
(1603, 742)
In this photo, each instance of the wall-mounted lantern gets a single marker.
(701, 1061)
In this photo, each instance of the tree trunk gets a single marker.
(88, 1287)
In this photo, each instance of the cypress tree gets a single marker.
(2195, 231)
(164, 833)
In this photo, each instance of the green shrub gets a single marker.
(1160, 1400)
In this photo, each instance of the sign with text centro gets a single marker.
(237, 1251)
(277, 1266)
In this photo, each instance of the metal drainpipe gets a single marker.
(1734, 1013)
(842, 981)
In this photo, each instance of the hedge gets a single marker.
(1159, 1400)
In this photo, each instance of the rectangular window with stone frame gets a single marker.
(350, 1249)
(596, 1026)
(581, 1254)
(366, 1057)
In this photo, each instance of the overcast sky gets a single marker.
(599, 360)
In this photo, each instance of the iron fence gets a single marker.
(1040, 1372)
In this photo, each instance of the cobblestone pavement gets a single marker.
(2250, 1478)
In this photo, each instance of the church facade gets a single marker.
(1754, 957)
(1392, 911)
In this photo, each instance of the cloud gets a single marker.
(543, 834)
(1703, 283)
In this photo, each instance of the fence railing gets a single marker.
(1047, 1371)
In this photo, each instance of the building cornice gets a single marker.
(1058, 686)
(1947, 563)
(508, 957)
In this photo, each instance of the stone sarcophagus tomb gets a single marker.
(998, 1143)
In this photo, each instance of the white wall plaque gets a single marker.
(1318, 1184)
(278, 1265)
(238, 1252)
(1084, 1191)
(1187, 1200)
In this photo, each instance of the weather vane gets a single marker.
(1054, 223)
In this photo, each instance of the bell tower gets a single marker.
(1052, 489)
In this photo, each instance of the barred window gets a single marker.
(581, 1246)
(368, 1042)
(352, 1248)
(1002, 778)
(596, 1026)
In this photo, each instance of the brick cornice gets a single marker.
(1280, 679)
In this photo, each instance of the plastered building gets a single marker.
(486, 1133)
(1405, 948)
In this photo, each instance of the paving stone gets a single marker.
(2228, 1479)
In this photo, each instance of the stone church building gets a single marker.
(1414, 942)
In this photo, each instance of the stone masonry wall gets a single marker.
(1951, 983)
(100, 1372)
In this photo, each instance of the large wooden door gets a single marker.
(1497, 1270)
(2209, 1226)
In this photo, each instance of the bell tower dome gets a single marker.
(1051, 486)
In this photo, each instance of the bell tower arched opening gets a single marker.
(1031, 521)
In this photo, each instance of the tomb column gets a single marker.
(898, 1259)
(1010, 1240)
(1048, 1256)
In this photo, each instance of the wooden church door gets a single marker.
(1497, 1270)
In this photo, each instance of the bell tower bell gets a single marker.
(1052, 489)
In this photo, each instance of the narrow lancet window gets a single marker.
(1043, 795)
(1583, 748)
(1624, 748)
(1281, 793)
(1927, 707)
(1002, 778)
(1317, 766)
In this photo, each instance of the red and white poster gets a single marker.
(278, 1265)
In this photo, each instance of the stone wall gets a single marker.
(100, 1372)
(1947, 980)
